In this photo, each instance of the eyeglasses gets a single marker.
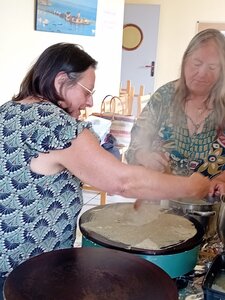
(86, 89)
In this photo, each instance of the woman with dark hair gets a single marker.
(46, 153)
(181, 129)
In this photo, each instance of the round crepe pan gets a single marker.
(88, 274)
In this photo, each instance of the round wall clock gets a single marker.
(132, 36)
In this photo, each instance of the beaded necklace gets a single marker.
(194, 135)
(197, 125)
(200, 112)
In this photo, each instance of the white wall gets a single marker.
(177, 25)
(20, 45)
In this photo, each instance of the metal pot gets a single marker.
(221, 221)
(176, 260)
(205, 211)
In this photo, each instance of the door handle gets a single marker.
(152, 67)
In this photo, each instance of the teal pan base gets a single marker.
(174, 265)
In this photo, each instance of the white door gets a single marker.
(138, 64)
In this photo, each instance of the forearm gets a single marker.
(95, 166)
(152, 185)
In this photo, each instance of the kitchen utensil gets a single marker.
(176, 260)
(221, 220)
(88, 274)
(205, 211)
(214, 282)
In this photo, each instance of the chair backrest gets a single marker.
(126, 89)
(131, 101)
(142, 100)
(127, 94)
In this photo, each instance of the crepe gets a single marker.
(149, 227)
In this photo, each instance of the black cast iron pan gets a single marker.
(89, 274)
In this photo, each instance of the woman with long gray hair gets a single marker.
(181, 129)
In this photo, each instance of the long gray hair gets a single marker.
(217, 95)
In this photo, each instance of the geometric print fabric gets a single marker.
(38, 213)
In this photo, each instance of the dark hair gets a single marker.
(60, 57)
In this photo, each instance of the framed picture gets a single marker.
(66, 16)
(220, 26)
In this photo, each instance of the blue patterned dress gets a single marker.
(37, 213)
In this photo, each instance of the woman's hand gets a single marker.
(194, 186)
(217, 188)
(200, 185)
(217, 185)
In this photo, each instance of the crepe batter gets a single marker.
(150, 227)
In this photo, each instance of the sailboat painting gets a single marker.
(68, 16)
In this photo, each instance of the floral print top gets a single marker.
(37, 213)
(155, 130)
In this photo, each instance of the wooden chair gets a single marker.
(105, 107)
(118, 105)
(130, 101)
(86, 187)
(142, 99)
(127, 94)
(103, 195)
(127, 89)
